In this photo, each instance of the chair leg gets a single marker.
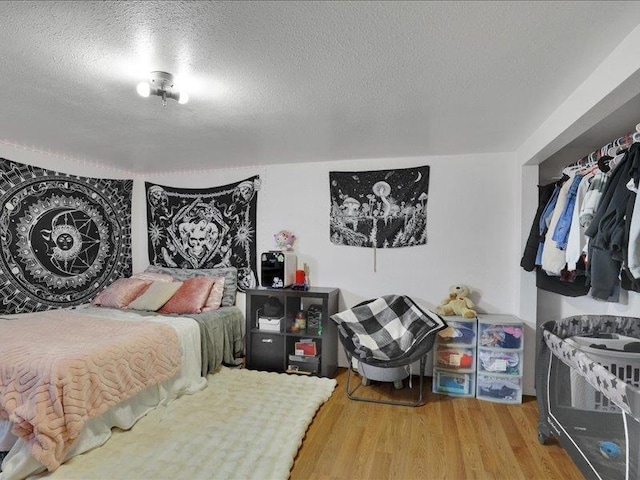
(418, 402)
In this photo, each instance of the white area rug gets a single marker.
(244, 425)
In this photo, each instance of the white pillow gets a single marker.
(155, 296)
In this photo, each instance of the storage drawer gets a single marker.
(499, 361)
(267, 352)
(499, 388)
(458, 332)
(501, 336)
(453, 383)
(454, 357)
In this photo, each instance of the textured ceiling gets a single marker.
(282, 82)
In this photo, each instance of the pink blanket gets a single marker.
(55, 373)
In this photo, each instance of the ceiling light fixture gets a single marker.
(161, 84)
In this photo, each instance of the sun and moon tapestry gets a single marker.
(63, 238)
(379, 209)
(205, 228)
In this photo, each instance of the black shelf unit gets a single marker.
(270, 350)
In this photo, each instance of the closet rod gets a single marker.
(618, 144)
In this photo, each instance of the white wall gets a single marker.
(470, 222)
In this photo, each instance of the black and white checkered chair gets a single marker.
(387, 334)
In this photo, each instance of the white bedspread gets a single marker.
(20, 464)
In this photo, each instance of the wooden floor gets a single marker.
(446, 438)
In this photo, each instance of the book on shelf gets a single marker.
(306, 348)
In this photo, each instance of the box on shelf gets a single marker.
(303, 364)
(269, 324)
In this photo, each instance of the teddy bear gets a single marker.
(284, 240)
(458, 303)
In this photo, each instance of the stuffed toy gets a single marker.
(458, 303)
(284, 240)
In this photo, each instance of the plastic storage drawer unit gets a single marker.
(500, 358)
(454, 363)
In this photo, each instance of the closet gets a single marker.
(609, 133)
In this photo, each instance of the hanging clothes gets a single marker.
(587, 226)
(528, 260)
(547, 194)
(606, 231)
(592, 198)
(545, 219)
(561, 232)
(633, 249)
(553, 257)
(576, 240)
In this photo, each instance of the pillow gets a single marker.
(155, 296)
(230, 275)
(121, 292)
(154, 277)
(190, 297)
(215, 296)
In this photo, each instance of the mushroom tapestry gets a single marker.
(64, 238)
(379, 209)
(205, 228)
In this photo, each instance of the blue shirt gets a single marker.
(561, 233)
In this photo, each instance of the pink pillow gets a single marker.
(190, 297)
(215, 297)
(121, 292)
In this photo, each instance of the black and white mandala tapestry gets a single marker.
(63, 237)
(205, 228)
(379, 209)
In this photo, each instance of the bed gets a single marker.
(186, 346)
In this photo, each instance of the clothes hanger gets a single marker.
(603, 161)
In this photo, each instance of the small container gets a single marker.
(301, 320)
(300, 277)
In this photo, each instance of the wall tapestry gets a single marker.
(379, 209)
(205, 228)
(63, 237)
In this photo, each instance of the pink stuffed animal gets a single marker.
(284, 240)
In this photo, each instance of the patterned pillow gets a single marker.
(230, 275)
(155, 296)
(215, 297)
(121, 292)
(190, 297)
(154, 277)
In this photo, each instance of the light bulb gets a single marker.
(143, 89)
(183, 98)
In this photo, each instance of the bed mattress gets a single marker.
(19, 463)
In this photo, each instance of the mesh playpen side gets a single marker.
(587, 378)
